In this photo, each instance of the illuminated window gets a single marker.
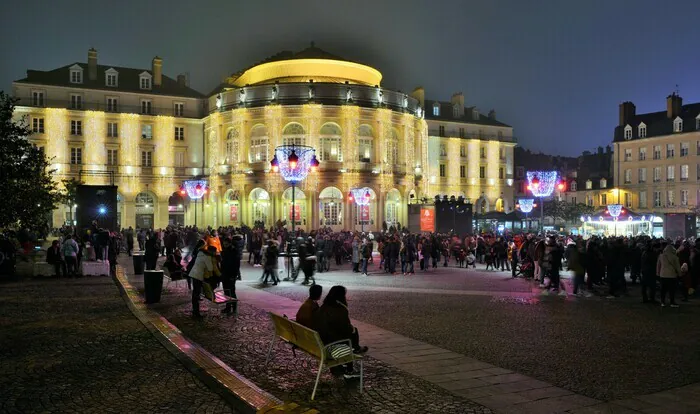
(146, 158)
(442, 170)
(657, 174)
(364, 148)
(76, 101)
(678, 125)
(670, 173)
(179, 133)
(294, 134)
(642, 130)
(482, 172)
(684, 172)
(76, 156)
(76, 127)
(331, 207)
(330, 141)
(112, 157)
(112, 129)
(146, 131)
(436, 109)
(603, 183)
(642, 154)
(685, 149)
(38, 125)
(462, 171)
(628, 155)
(258, 144)
(589, 184)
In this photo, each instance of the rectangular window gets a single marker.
(589, 201)
(482, 172)
(657, 174)
(628, 155)
(482, 153)
(146, 158)
(603, 199)
(628, 176)
(146, 107)
(628, 200)
(670, 173)
(76, 156)
(657, 152)
(111, 79)
(112, 104)
(112, 129)
(76, 101)
(179, 109)
(145, 83)
(38, 125)
(642, 173)
(462, 151)
(461, 133)
(443, 150)
(76, 76)
(179, 159)
(670, 150)
(146, 131)
(684, 172)
(642, 199)
(38, 100)
(462, 171)
(112, 157)
(642, 154)
(589, 185)
(500, 173)
(501, 154)
(76, 127)
(657, 198)
(684, 197)
(519, 172)
(442, 170)
(364, 151)
(441, 130)
(670, 202)
(685, 149)
(179, 133)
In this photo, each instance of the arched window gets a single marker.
(392, 147)
(628, 132)
(261, 205)
(258, 144)
(392, 206)
(331, 149)
(232, 146)
(293, 134)
(365, 144)
(331, 201)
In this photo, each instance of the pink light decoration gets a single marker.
(196, 188)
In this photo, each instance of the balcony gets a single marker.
(101, 106)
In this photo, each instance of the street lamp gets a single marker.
(195, 189)
(362, 197)
(294, 162)
(541, 184)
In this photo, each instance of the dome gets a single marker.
(311, 63)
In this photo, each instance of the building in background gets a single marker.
(148, 133)
(591, 182)
(656, 163)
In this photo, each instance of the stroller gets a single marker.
(525, 269)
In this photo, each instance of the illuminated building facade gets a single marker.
(364, 135)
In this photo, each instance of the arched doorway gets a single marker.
(145, 206)
(482, 205)
(331, 208)
(366, 216)
(299, 206)
(260, 200)
(233, 208)
(176, 209)
(500, 205)
(392, 208)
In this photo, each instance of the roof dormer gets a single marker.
(475, 114)
(642, 130)
(628, 132)
(145, 80)
(678, 124)
(76, 74)
(436, 109)
(111, 78)
(697, 122)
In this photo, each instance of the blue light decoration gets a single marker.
(362, 196)
(102, 210)
(294, 162)
(196, 188)
(615, 210)
(542, 183)
(526, 204)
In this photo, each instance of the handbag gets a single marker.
(339, 351)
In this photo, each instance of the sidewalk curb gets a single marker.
(240, 393)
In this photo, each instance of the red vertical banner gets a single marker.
(233, 212)
(364, 213)
(296, 212)
(427, 219)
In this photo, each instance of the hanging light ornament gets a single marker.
(542, 183)
(527, 204)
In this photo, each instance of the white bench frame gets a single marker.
(166, 274)
(218, 298)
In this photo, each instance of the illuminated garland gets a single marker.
(196, 188)
(304, 153)
(526, 204)
(615, 210)
(544, 184)
(360, 196)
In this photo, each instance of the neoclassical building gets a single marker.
(147, 133)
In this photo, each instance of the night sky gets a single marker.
(555, 70)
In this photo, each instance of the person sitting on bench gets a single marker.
(175, 268)
(307, 314)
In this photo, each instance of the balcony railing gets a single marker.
(104, 107)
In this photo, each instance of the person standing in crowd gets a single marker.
(271, 255)
(616, 268)
(204, 267)
(577, 264)
(307, 315)
(410, 249)
(695, 267)
(141, 239)
(551, 264)
(170, 242)
(355, 254)
(230, 266)
(649, 259)
(54, 257)
(366, 255)
(393, 254)
(238, 245)
(193, 259)
(668, 268)
(129, 235)
(70, 253)
(152, 251)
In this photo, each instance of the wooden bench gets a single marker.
(218, 298)
(310, 342)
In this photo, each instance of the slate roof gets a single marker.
(446, 115)
(658, 124)
(128, 81)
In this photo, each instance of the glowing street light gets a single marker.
(294, 162)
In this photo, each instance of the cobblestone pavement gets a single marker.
(243, 342)
(72, 345)
(600, 348)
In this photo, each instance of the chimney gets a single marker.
(419, 94)
(457, 101)
(627, 112)
(157, 66)
(181, 80)
(673, 105)
(492, 115)
(92, 64)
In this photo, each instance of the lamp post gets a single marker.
(362, 198)
(541, 184)
(294, 162)
(195, 190)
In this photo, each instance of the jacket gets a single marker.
(203, 265)
(334, 323)
(70, 248)
(668, 266)
(307, 314)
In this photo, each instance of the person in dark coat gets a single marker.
(238, 245)
(650, 256)
(54, 256)
(230, 266)
(392, 254)
(410, 248)
(129, 236)
(152, 251)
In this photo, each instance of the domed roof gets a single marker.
(311, 63)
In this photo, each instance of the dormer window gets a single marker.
(455, 111)
(628, 132)
(574, 186)
(697, 122)
(642, 130)
(76, 74)
(145, 80)
(589, 184)
(603, 183)
(111, 78)
(678, 124)
(436, 109)
(475, 114)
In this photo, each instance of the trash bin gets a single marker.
(153, 285)
(138, 262)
